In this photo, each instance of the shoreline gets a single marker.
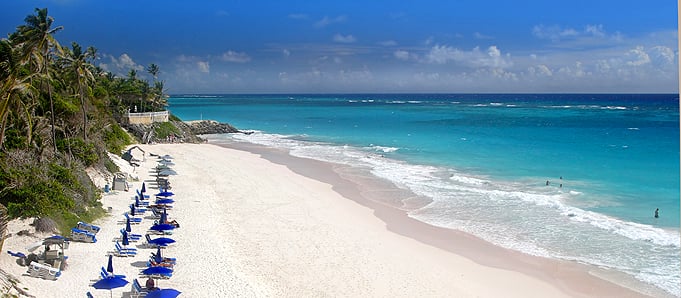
(574, 279)
(254, 225)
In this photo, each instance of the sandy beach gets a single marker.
(255, 227)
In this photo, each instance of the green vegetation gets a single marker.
(59, 114)
(165, 129)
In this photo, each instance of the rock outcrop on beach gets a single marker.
(205, 127)
(175, 131)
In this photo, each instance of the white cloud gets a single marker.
(595, 30)
(637, 57)
(203, 66)
(121, 65)
(662, 54)
(344, 38)
(401, 55)
(236, 57)
(328, 21)
(540, 70)
(554, 33)
(286, 52)
(475, 58)
(557, 33)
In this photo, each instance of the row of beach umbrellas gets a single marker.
(112, 281)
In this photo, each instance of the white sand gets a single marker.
(251, 228)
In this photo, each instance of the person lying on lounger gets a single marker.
(172, 222)
(151, 285)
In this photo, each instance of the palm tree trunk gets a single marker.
(82, 104)
(54, 135)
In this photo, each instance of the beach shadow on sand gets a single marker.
(139, 264)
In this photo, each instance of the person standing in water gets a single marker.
(657, 212)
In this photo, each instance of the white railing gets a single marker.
(147, 118)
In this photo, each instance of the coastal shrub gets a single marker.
(115, 138)
(79, 149)
(164, 129)
(14, 139)
(34, 190)
(37, 199)
(110, 165)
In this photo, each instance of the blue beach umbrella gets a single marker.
(163, 293)
(164, 193)
(162, 227)
(167, 172)
(157, 270)
(137, 201)
(109, 266)
(110, 283)
(161, 241)
(127, 225)
(132, 209)
(144, 189)
(165, 201)
(158, 258)
(166, 162)
(125, 240)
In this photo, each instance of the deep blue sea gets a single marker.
(483, 162)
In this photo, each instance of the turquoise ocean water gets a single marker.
(482, 161)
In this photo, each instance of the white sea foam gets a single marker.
(614, 108)
(383, 148)
(535, 220)
(468, 180)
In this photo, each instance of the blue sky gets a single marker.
(377, 46)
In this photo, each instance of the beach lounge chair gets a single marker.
(119, 246)
(82, 236)
(161, 241)
(132, 237)
(16, 254)
(133, 220)
(165, 259)
(87, 227)
(163, 183)
(36, 269)
(152, 263)
(134, 210)
(33, 269)
(137, 290)
(156, 212)
(140, 203)
(105, 274)
(121, 251)
(139, 194)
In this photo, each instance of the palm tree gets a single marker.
(160, 99)
(38, 45)
(157, 90)
(153, 70)
(12, 89)
(76, 60)
(132, 75)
